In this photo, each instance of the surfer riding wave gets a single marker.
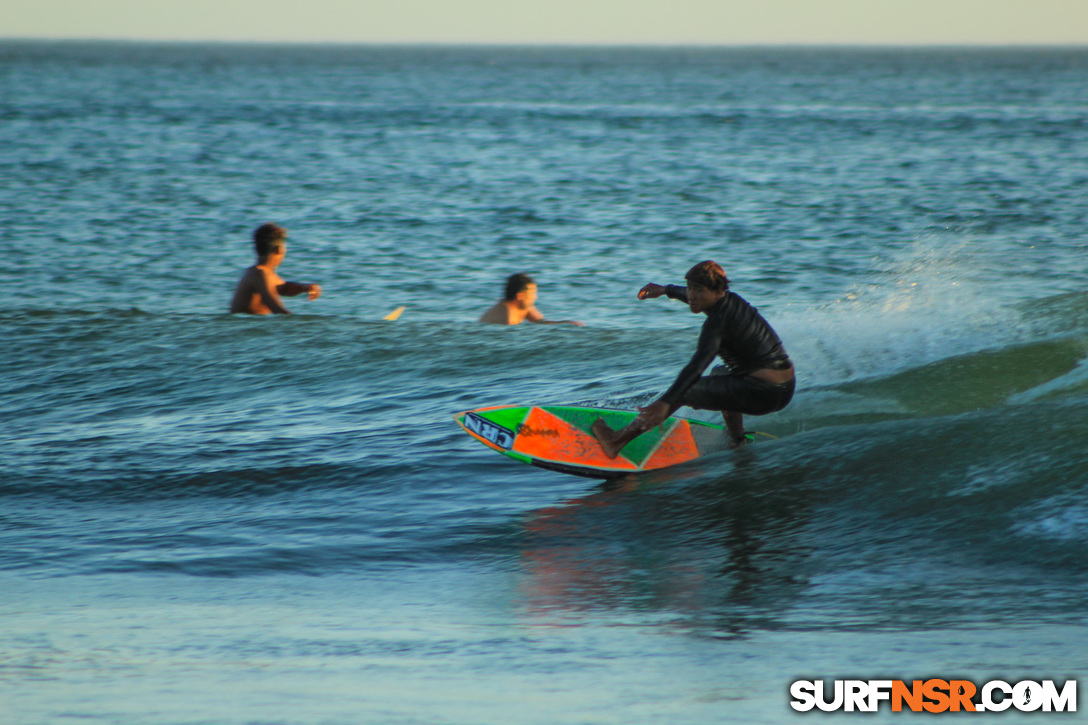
(757, 377)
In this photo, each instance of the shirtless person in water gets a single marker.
(757, 377)
(260, 289)
(519, 304)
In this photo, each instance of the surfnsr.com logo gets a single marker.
(934, 696)
(489, 431)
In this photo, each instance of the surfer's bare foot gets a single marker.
(734, 443)
(605, 436)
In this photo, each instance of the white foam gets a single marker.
(925, 304)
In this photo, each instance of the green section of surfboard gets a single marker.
(509, 418)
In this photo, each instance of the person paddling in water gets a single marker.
(757, 377)
(261, 289)
(519, 304)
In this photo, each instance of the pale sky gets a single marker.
(703, 22)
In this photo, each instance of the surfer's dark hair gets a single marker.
(517, 283)
(708, 274)
(268, 237)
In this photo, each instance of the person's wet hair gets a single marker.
(517, 283)
(708, 274)
(268, 238)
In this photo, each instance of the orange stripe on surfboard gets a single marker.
(550, 438)
(677, 447)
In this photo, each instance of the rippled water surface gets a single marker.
(208, 518)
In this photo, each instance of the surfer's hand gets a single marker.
(314, 292)
(651, 291)
(653, 415)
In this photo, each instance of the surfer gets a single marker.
(519, 304)
(260, 289)
(757, 377)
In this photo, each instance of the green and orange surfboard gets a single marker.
(558, 438)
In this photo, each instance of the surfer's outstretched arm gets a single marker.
(534, 315)
(651, 291)
(294, 289)
(673, 292)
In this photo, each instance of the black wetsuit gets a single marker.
(737, 332)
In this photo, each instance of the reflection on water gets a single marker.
(721, 551)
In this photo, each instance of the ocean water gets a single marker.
(221, 519)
